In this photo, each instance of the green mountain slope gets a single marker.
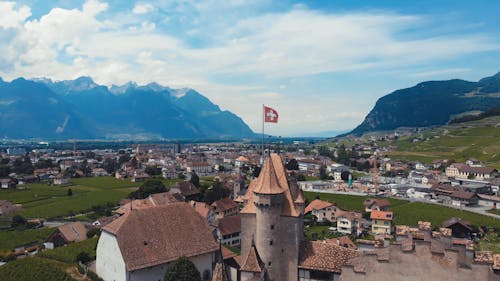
(431, 103)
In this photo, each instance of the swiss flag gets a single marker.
(270, 115)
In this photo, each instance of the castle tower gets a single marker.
(272, 222)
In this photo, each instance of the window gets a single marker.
(269, 263)
(272, 226)
(271, 242)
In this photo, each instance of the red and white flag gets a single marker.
(270, 115)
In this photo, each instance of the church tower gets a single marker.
(272, 222)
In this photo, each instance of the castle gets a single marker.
(272, 225)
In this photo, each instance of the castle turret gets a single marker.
(272, 222)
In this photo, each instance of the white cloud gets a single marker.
(143, 8)
(258, 50)
(94, 7)
(12, 17)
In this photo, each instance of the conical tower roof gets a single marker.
(268, 181)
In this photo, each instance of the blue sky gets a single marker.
(321, 64)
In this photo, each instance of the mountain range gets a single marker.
(82, 109)
(430, 103)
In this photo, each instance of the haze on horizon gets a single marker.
(321, 64)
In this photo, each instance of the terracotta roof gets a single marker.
(242, 159)
(493, 198)
(289, 208)
(201, 207)
(343, 241)
(350, 215)
(224, 204)
(227, 254)
(463, 194)
(153, 200)
(317, 204)
(73, 232)
(319, 255)
(229, 225)
(186, 188)
(380, 202)
(381, 215)
(268, 179)
(152, 236)
(252, 262)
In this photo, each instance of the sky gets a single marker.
(321, 64)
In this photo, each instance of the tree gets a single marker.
(292, 165)
(93, 232)
(182, 269)
(70, 192)
(18, 221)
(301, 177)
(83, 257)
(181, 176)
(149, 187)
(195, 180)
(322, 172)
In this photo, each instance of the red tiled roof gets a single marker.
(73, 232)
(319, 255)
(224, 204)
(252, 262)
(229, 225)
(289, 208)
(227, 254)
(152, 236)
(343, 241)
(201, 207)
(317, 204)
(268, 179)
(381, 215)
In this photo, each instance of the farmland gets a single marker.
(43, 201)
(69, 252)
(30, 269)
(408, 213)
(13, 238)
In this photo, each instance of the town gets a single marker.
(300, 211)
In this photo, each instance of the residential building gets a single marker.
(322, 210)
(8, 183)
(141, 244)
(381, 222)
(225, 207)
(376, 204)
(68, 233)
(349, 222)
(229, 230)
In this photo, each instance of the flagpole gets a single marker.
(263, 119)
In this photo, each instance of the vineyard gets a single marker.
(68, 253)
(30, 269)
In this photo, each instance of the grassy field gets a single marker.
(69, 252)
(11, 239)
(31, 269)
(478, 139)
(408, 213)
(43, 201)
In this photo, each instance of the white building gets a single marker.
(141, 244)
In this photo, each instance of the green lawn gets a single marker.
(43, 201)
(318, 232)
(13, 238)
(408, 213)
(69, 252)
